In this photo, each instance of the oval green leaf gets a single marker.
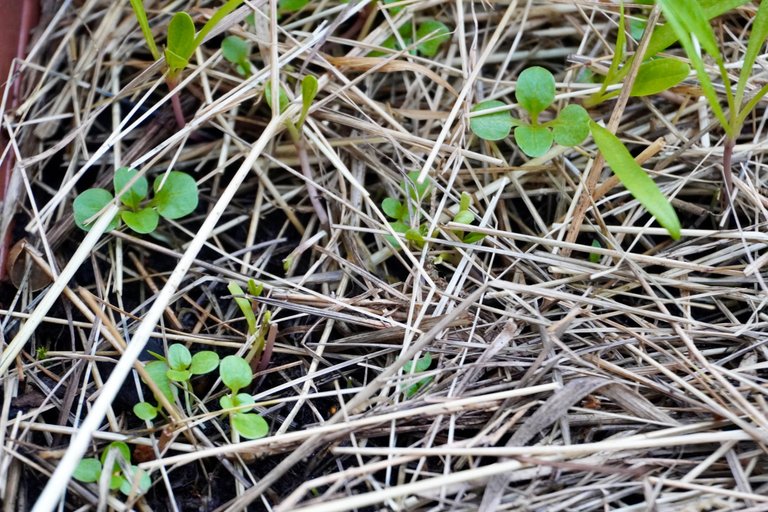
(244, 399)
(292, 5)
(417, 191)
(572, 126)
(87, 470)
(533, 140)
(158, 372)
(122, 449)
(179, 357)
(637, 181)
(235, 373)
(535, 90)
(181, 41)
(143, 484)
(145, 411)
(138, 191)
(464, 217)
(495, 126)
(178, 197)
(204, 362)
(143, 221)
(431, 34)
(250, 426)
(226, 402)
(658, 75)
(90, 203)
(235, 49)
(392, 207)
(309, 87)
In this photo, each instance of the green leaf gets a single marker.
(308, 92)
(659, 75)
(244, 304)
(158, 372)
(471, 238)
(141, 17)
(757, 37)
(143, 221)
(243, 399)
(87, 470)
(636, 179)
(282, 95)
(143, 484)
(432, 35)
(219, 15)
(495, 126)
(138, 191)
(689, 15)
(235, 373)
(145, 411)
(122, 449)
(593, 256)
(422, 364)
(394, 10)
(533, 140)
(204, 362)
(250, 426)
(292, 5)
(227, 402)
(116, 481)
(411, 391)
(181, 42)
(179, 357)
(535, 90)
(179, 375)
(89, 203)
(235, 49)
(416, 191)
(392, 207)
(178, 197)
(465, 201)
(255, 288)
(464, 217)
(571, 126)
(637, 28)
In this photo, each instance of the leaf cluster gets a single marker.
(89, 470)
(421, 365)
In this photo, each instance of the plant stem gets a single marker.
(314, 197)
(727, 172)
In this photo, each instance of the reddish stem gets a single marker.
(727, 171)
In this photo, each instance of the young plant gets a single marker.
(122, 472)
(175, 196)
(465, 216)
(236, 374)
(401, 212)
(429, 36)
(237, 51)
(247, 307)
(421, 365)
(535, 92)
(180, 366)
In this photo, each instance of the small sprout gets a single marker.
(181, 42)
(465, 216)
(237, 51)
(236, 374)
(594, 257)
(244, 304)
(282, 97)
(309, 88)
(90, 203)
(89, 470)
(421, 365)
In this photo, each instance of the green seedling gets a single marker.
(421, 365)
(535, 92)
(406, 215)
(465, 216)
(429, 36)
(689, 19)
(180, 366)
(594, 257)
(247, 307)
(175, 196)
(287, 6)
(237, 51)
(122, 473)
(236, 374)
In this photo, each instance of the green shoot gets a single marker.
(237, 51)
(236, 374)
(90, 470)
(421, 365)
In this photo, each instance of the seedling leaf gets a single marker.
(158, 371)
(145, 411)
(235, 49)
(178, 197)
(181, 41)
(535, 90)
(392, 207)
(121, 447)
(594, 257)
(250, 426)
(219, 15)
(204, 362)
(138, 191)
(637, 181)
(235, 373)
(283, 97)
(533, 140)
(659, 75)
(178, 375)
(495, 126)
(432, 35)
(179, 357)
(417, 191)
(571, 126)
(464, 217)
(87, 470)
(308, 93)
(143, 221)
(141, 17)
(422, 364)
(244, 304)
(88, 204)
(143, 484)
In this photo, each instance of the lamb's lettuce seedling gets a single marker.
(421, 365)
(236, 374)
(175, 196)
(90, 470)
(237, 51)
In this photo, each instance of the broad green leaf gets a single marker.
(495, 126)
(244, 304)
(219, 15)
(431, 34)
(416, 191)
(392, 207)
(89, 203)
(292, 5)
(535, 90)
(571, 126)
(158, 371)
(122, 449)
(138, 191)
(145, 411)
(282, 95)
(464, 217)
(637, 181)
(414, 235)
(658, 75)
(87, 470)
(533, 140)
(143, 221)
(204, 362)
(250, 426)
(177, 197)
(179, 357)
(235, 373)
(143, 484)
(235, 49)
(226, 402)
(181, 41)
(141, 17)
(179, 375)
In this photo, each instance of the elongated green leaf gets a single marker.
(757, 38)
(535, 90)
(688, 14)
(495, 126)
(637, 181)
(141, 17)
(282, 97)
(618, 52)
(87, 470)
(179, 357)
(181, 41)
(88, 204)
(244, 304)
(219, 15)
(292, 5)
(143, 221)
(177, 197)
(533, 140)
(308, 93)
(659, 75)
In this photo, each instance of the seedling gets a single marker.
(237, 51)
(122, 473)
(535, 92)
(180, 366)
(175, 196)
(429, 37)
(247, 307)
(236, 374)
(404, 222)
(422, 364)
